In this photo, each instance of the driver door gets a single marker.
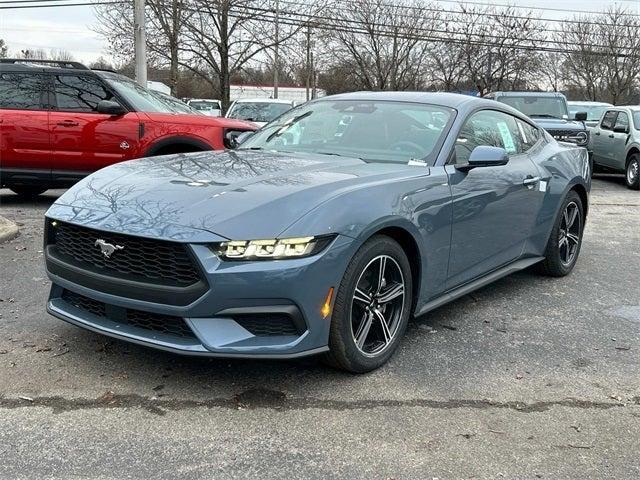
(494, 208)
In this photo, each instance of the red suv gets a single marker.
(60, 121)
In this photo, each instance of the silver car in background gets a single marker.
(615, 142)
(594, 111)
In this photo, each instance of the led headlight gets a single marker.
(297, 247)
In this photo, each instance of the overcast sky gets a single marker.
(69, 28)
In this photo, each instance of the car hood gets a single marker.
(558, 124)
(199, 120)
(232, 194)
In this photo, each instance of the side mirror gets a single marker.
(110, 108)
(621, 129)
(581, 116)
(485, 156)
(233, 138)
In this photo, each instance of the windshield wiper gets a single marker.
(285, 126)
(338, 155)
(543, 115)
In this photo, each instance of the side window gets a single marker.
(22, 92)
(489, 128)
(77, 93)
(608, 120)
(622, 121)
(530, 135)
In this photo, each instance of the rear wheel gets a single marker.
(27, 191)
(566, 238)
(632, 176)
(372, 307)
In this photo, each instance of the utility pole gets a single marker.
(276, 59)
(140, 40)
(308, 69)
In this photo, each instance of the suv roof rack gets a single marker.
(58, 63)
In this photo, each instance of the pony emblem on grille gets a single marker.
(107, 249)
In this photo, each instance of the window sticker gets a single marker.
(507, 139)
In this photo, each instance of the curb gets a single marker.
(8, 230)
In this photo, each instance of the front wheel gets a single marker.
(372, 307)
(632, 176)
(565, 241)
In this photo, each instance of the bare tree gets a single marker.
(223, 36)
(605, 61)
(4, 50)
(386, 42)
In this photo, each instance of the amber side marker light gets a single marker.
(326, 306)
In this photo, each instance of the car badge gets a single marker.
(124, 146)
(107, 249)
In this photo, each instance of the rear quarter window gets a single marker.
(19, 91)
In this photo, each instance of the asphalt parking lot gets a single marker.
(528, 378)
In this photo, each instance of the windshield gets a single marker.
(257, 111)
(541, 107)
(145, 100)
(375, 131)
(594, 112)
(204, 105)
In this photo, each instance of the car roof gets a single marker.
(584, 102)
(451, 100)
(528, 94)
(263, 100)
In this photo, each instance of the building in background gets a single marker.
(295, 94)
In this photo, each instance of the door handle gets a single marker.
(597, 133)
(611, 135)
(530, 182)
(68, 123)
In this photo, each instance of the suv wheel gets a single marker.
(27, 191)
(372, 307)
(632, 176)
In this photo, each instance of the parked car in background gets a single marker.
(61, 121)
(258, 110)
(212, 108)
(322, 234)
(594, 111)
(550, 111)
(615, 143)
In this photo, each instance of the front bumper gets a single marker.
(266, 309)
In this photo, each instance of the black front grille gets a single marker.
(85, 303)
(164, 324)
(267, 325)
(153, 261)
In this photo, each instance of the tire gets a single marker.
(360, 316)
(27, 191)
(562, 250)
(632, 172)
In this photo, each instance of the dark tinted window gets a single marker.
(21, 91)
(530, 134)
(75, 93)
(622, 121)
(488, 128)
(608, 120)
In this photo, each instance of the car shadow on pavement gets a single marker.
(10, 199)
(132, 367)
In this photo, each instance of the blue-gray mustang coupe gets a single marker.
(324, 232)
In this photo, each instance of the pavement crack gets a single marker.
(276, 400)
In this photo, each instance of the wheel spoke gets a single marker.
(562, 240)
(566, 217)
(391, 293)
(572, 216)
(383, 324)
(363, 330)
(381, 271)
(573, 238)
(362, 296)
